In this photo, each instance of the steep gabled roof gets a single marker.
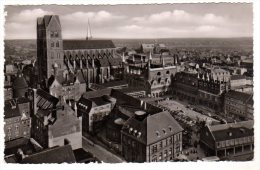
(87, 44)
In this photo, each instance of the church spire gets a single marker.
(89, 34)
(150, 60)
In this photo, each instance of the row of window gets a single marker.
(233, 142)
(54, 34)
(163, 155)
(164, 143)
(53, 44)
(58, 55)
(235, 110)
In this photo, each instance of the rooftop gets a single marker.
(11, 109)
(161, 125)
(244, 97)
(232, 130)
(237, 77)
(87, 44)
(61, 154)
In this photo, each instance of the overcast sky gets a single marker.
(136, 21)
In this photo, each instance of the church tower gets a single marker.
(49, 46)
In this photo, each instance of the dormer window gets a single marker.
(229, 133)
(164, 131)
(139, 134)
(170, 128)
(157, 134)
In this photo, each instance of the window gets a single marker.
(160, 156)
(170, 151)
(56, 34)
(52, 34)
(9, 129)
(160, 144)
(154, 148)
(154, 159)
(165, 153)
(52, 55)
(57, 44)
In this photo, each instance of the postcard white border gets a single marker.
(190, 165)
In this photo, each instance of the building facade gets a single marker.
(238, 104)
(155, 78)
(233, 141)
(151, 138)
(17, 119)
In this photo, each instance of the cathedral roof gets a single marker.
(87, 44)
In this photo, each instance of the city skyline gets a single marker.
(136, 21)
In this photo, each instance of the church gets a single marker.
(67, 67)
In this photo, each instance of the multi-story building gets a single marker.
(17, 119)
(94, 107)
(185, 86)
(238, 104)
(151, 138)
(233, 141)
(156, 78)
(241, 83)
(201, 89)
(54, 121)
(211, 92)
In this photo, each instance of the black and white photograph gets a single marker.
(128, 83)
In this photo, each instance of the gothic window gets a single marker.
(52, 44)
(52, 55)
(52, 34)
(57, 44)
(56, 34)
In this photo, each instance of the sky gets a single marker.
(136, 21)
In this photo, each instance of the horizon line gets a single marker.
(98, 38)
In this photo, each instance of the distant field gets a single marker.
(28, 47)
